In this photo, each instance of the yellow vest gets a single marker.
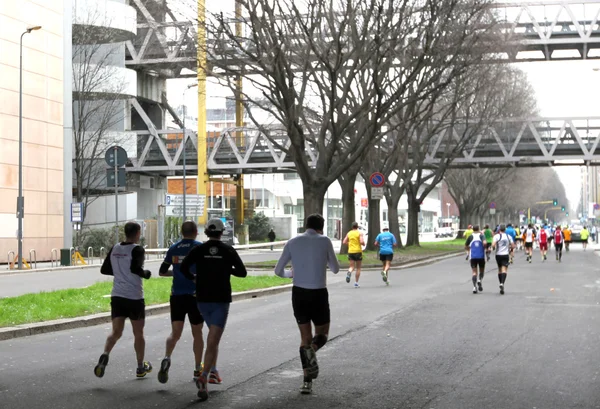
(354, 242)
(585, 233)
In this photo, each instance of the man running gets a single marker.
(529, 238)
(125, 262)
(543, 243)
(513, 235)
(183, 302)
(310, 254)
(215, 262)
(559, 238)
(468, 233)
(585, 234)
(355, 241)
(386, 242)
(502, 244)
(519, 241)
(476, 246)
(550, 234)
(567, 236)
(489, 236)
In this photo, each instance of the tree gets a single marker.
(97, 105)
(350, 62)
(258, 227)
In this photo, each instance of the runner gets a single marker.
(513, 235)
(550, 234)
(125, 261)
(585, 234)
(519, 240)
(503, 244)
(543, 242)
(489, 236)
(476, 245)
(386, 242)
(529, 238)
(559, 238)
(183, 302)
(355, 241)
(310, 254)
(468, 233)
(215, 262)
(567, 236)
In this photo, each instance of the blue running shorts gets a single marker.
(214, 313)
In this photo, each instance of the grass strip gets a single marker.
(77, 302)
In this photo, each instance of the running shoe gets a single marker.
(480, 286)
(313, 366)
(501, 288)
(214, 378)
(356, 285)
(306, 388)
(202, 388)
(348, 277)
(102, 362)
(144, 370)
(163, 373)
(474, 290)
(384, 276)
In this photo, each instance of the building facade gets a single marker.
(43, 99)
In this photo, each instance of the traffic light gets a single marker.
(567, 214)
(562, 209)
(555, 202)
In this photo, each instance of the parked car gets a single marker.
(444, 232)
(576, 232)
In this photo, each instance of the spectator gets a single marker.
(271, 236)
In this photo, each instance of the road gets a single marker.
(424, 342)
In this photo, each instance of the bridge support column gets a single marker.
(202, 150)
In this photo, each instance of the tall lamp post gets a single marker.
(448, 206)
(20, 199)
(184, 151)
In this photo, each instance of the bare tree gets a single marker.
(97, 107)
(353, 62)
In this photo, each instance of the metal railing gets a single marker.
(90, 255)
(10, 259)
(33, 258)
(54, 258)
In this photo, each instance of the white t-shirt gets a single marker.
(529, 234)
(503, 242)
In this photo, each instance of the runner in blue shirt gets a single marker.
(183, 302)
(386, 242)
(510, 230)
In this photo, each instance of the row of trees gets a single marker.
(371, 85)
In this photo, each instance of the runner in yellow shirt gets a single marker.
(355, 241)
(585, 234)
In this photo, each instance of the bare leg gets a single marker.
(139, 343)
(176, 330)
(212, 347)
(118, 324)
(198, 344)
(358, 267)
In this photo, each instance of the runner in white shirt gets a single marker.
(310, 254)
(502, 244)
(529, 236)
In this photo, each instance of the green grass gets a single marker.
(46, 306)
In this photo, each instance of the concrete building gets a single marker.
(43, 97)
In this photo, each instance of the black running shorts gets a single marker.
(124, 307)
(186, 304)
(386, 257)
(503, 261)
(584, 241)
(528, 244)
(558, 247)
(478, 262)
(355, 256)
(311, 305)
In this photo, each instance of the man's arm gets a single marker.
(138, 256)
(394, 242)
(345, 241)
(362, 239)
(239, 269)
(468, 242)
(376, 241)
(332, 261)
(106, 268)
(188, 262)
(164, 271)
(283, 261)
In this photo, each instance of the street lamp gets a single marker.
(184, 151)
(20, 199)
(448, 205)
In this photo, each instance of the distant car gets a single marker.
(444, 232)
(576, 233)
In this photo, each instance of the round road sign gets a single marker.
(119, 153)
(493, 205)
(377, 179)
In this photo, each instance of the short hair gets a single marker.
(355, 225)
(386, 228)
(131, 229)
(502, 227)
(509, 225)
(315, 221)
(487, 226)
(189, 228)
(530, 225)
(476, 227)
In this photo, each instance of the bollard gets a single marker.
(102, 253)
(54, 257)
(33, 258)
(90, 250)
(71, 254)
(11, 260)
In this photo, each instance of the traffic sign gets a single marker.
(492, 211)
(376, 193)
(377, 179)
(493, 205)
(194, 205)
(121, 155)
(77, 212)
(110, 178)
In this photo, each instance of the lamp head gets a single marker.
(34, 28)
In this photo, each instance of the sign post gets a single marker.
(493, 208)
(377, 180)
(116, 157)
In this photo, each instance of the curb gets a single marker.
(56, 269)
(25, 330)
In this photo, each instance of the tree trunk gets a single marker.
(465, 216)
(314, 198)
(348, 209)
(414, 208)
(392, 203)
(374, 219)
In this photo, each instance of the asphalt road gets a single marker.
(18, 283)
(424, 342)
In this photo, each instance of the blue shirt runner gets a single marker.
(175, 256)
(386, 242)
